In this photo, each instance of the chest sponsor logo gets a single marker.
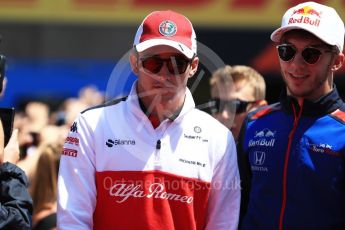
(197, 129)
(264, 137)
(123, 191)
(259, 158)
(322, 148)
(196, 134)
(111, 142)
(193, 137)
(191, 162)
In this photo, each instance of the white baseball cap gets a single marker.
(166, 28)
(318, 19)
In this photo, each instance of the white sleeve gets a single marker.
(225, 194)
(76, 182)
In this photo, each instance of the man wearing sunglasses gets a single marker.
(235, 90)
(292, 153)
(151, 160)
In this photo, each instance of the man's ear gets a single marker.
(338, 62)
(194, 66)
(133, 60)
(257, 104)
(262, 103)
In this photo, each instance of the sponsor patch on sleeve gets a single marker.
(69, 152)
(72, 141)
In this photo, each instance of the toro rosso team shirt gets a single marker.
(118, 172)
(296, 164)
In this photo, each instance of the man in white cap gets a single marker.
(151, 160)
(293, 152)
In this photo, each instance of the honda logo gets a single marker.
(259, 158)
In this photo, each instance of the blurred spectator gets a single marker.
(235, 91)
(43, 141)
(50, 134)
(88, 97)
(37, 124)
(30, 123)
(44, 187)
(72, 108)
(91, 96)
(37, 114)
(15, 201)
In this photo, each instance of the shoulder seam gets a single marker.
(339, 115)
(264, 111)
(108, 103)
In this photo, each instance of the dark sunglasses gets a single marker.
(217, 105)
(176, 64)
(310, 54)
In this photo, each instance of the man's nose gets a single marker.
(164, 71)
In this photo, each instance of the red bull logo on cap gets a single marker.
(308, 16)
(307, 11)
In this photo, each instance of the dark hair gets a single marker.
(306, 33)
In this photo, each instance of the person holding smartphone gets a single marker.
(15, 201)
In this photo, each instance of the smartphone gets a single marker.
(7, 119)
(2, 70)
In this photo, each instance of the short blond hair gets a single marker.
(228, 75)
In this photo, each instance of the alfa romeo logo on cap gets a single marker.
(167, 28)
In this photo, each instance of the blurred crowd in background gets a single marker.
(41, 135)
